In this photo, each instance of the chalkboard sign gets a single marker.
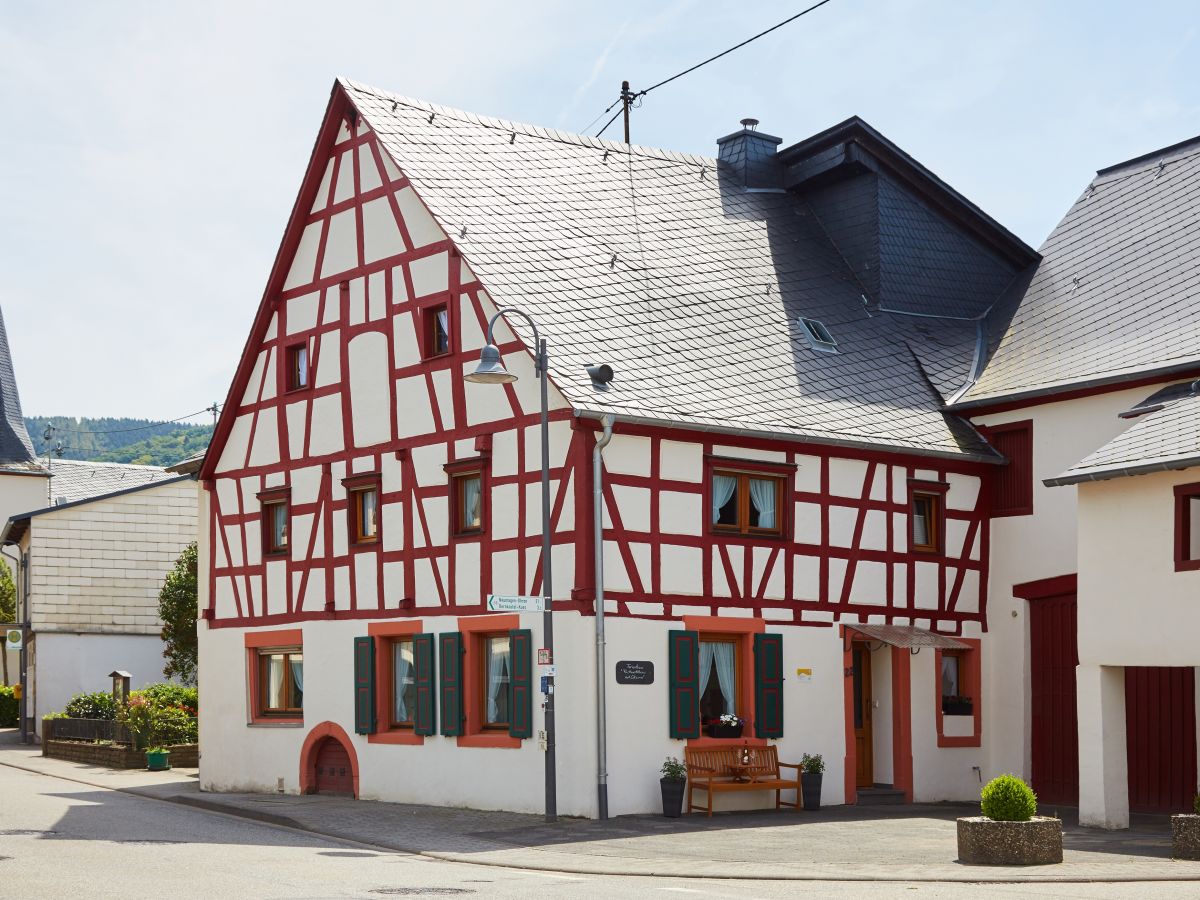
(635, 671)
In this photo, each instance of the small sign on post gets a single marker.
(13, 639)
(544, 657)
(517, 604)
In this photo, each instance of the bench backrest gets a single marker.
(719, 759)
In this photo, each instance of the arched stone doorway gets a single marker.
(328, 763)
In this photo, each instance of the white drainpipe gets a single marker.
(598, 531)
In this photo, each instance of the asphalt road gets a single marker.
(62, 839)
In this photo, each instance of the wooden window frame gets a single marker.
(390, 685)
(740, 641)
(429, 330)
(781, 473)
(970, 683)
(456, 472)
(293, 371)
(1184, 495)
(474, 694)
(356, 486)
(1017, 468)
(264, 656)
(481, 639)
(935, 492)
(256, 644)
(741, 631)
(385, 634)
(267, 500)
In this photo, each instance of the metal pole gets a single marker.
(547, 586)
(626, 97)
(22, 618)
(601, 665)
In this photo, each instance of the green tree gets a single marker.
(8, 606)
(177, 609)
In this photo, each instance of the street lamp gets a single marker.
(491, 371)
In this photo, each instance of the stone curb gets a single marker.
(630, 866)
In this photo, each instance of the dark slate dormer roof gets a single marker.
(1117, 294)
(15, 446)
(695, 302)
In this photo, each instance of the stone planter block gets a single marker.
(1185, 836)
(986, 842)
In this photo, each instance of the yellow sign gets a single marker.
(804, 674)
(17, 692)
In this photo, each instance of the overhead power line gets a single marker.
(208, 409)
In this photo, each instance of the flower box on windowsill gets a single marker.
(958, 706)
(719, 730)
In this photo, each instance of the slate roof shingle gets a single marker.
(694, 301)
(15, 446)
(73, 480)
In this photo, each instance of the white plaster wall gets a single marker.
(69, 664)
(940, 773)
(19, 494)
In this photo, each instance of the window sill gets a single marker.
(429, 356)
(275, 723)
(297, 390)
(498, 741)
(747, 535)
(401, 736)
(1187, 565)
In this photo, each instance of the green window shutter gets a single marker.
(425, 715)
(684, 663)
(364, 685)
(520, 683)
(450, 652)
(768, 685)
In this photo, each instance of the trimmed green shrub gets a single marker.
(96, 705)
(10, 708)
(173, 726)
(1007, 798)
(167, 694)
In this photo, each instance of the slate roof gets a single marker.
(74, 480)
(1117, 294)
(15, 446)
(694, 299)
(1166, 439)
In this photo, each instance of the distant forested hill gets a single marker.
(140, 441)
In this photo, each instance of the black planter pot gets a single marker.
(672, 796)
(725, 731)
(957, 708)
(810, 788)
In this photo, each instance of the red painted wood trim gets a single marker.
(972, 673)
(1043, 588)
(383, 632)
(1017, 476)
(902, 757)
(472, 675)
(283, 637)
(850, 765)
(744, 628)
(308, 755)
(1183, 528)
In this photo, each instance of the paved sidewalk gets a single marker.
(904, 843)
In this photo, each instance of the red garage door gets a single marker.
(1160, 736)
(334, 773)
(1053, 658)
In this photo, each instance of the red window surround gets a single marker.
(383, 633)
(744, 630)
(297, 364)
(436, 330)
(481, 466)
(1012, 484)
(1186, 496)
(937, 491)
(785, 513)
(263, 640)
(970, 674)
(267, 499)
(473, 629)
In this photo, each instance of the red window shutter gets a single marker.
(1012, 484)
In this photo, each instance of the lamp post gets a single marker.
(491, 371)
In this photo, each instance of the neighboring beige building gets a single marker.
(94, 564)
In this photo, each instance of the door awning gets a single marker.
(909, 637)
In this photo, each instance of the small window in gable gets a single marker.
(297, 367)
(818, 336)
(927, 510)
(275, 526)
(1187, 527)
(362, 494)
(468, 502)
(437, 330)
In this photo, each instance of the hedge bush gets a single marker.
(10, 708)
(167, 694)
(96, 705)
(1007, 798)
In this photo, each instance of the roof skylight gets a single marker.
(818, 336)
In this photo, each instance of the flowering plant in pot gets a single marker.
(672, 782)
(1009, 833)
(727, 726)
(812, 770)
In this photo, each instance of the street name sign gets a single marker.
(517, 604)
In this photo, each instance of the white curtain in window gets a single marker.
(950, 677)
(470, 502)
(706, 664)
(723, 655)
(497, 665)
(920, 525)
(297, 666)
(443, 318)
(762, 495)
(722, 489)
(275, 681)
(400, 668)
(368, 513)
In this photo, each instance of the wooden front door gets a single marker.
(863, 744)
(1160, 738)
(1054, 656)
(334, 774)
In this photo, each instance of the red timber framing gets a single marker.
(417, 572)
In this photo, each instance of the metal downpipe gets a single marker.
(598, 532)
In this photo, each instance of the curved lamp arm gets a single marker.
(538, 345)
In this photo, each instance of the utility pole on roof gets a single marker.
(626, 100)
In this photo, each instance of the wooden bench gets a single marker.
(720, 769)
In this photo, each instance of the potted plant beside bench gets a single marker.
(812, 767)
(674, 777)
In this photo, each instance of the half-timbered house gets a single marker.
(794, 530)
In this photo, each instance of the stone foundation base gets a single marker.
(186, 756)
(1185, 836)
(986, 842)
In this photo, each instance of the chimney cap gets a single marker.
(749, 124)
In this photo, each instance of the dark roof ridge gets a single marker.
(1153, 156)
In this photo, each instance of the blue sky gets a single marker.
(151, 152)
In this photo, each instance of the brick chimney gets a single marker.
(750, 155)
